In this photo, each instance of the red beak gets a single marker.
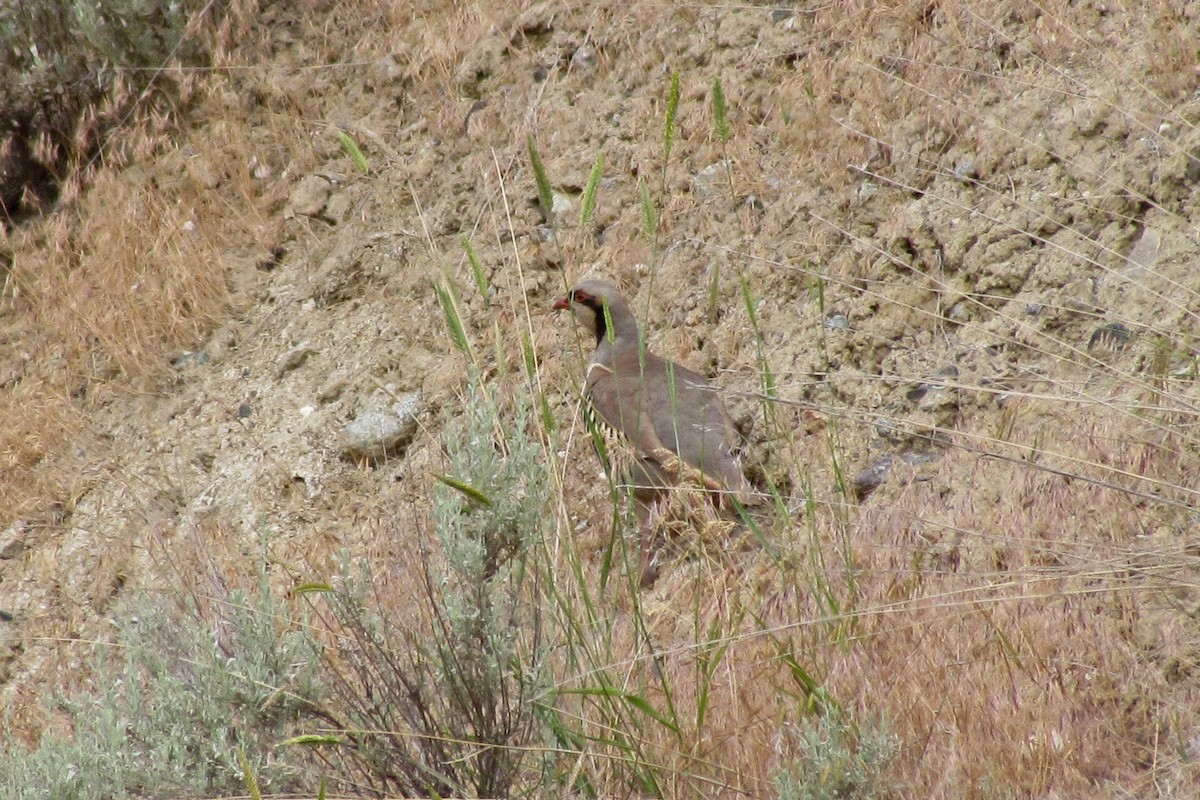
(562, 304)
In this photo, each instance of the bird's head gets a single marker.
(600, 309)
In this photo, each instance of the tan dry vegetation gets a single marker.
(978, 184)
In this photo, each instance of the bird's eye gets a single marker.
(580, 296)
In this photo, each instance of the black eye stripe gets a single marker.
(596, 305)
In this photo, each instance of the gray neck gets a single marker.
(624, 333)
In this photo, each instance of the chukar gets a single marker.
(670, 416)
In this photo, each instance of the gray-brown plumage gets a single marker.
(670, 416)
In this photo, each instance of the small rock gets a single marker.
(1192, 172)
(259, 170)
(888, 429)
(560, 206)
(880, 470)
(1183, 367)
(779, 15)
(332, 391)
(965, 171)
(244, 410)
(386, 70)
(382, 430)
(1080, 296)
(339, 207)
(202, 172)
(606, 232)
(1112, 337)
(538, 20)
(584, 59)
(309, 196)
(707, 181)
(1144, 252)
(959, 312)
(872, 477)
(476, 107)
(480, 63)
(14, 539)
(189, 358)
(273, 259)
(919, 391)
(293, 358)
(837, 322)
(940, 398)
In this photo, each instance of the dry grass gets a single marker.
(135, 267)
(1022, 614)
(1009, 638)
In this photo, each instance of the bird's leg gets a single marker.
(647, 516)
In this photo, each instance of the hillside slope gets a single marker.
(943, 270)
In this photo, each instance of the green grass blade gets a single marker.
(545, 193)
(458, 334)
(817, 698)
(248, 776)
(714, 294)
(313, 588)
(588, 208)
(529, 355)
(643, 705)
(670, 124)
(720, 111)
(649, 213)
(352, 150)
(608, 324)
(636, 701)
(817, 291)
(476, 268)
(311, 740)
(466, 489)
(768, 377)
(670, 128)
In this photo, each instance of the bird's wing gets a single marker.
(695, 421)
(616, 400)
(672, 417)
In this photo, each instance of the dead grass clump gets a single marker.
(35, 420)
(137, 281)
(109, 294)
(1009, 635)
(1019, 618)
(102, 293)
